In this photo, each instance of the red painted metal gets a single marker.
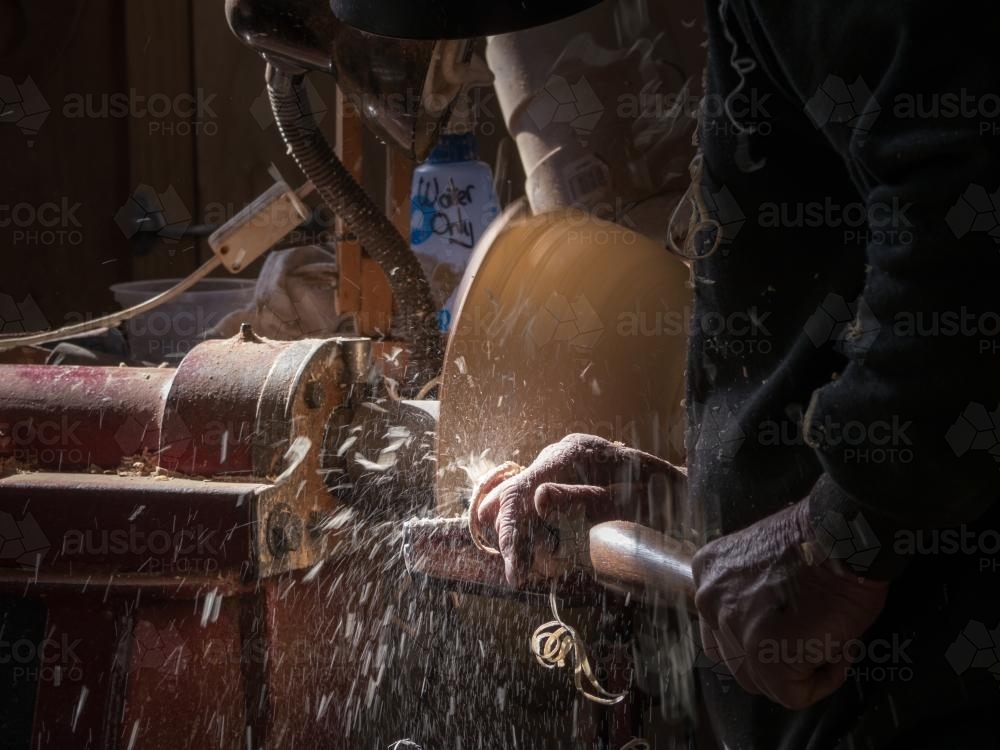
(74, 524)
(79, 685)
(71, 418)
(200, 419)
(184, 643)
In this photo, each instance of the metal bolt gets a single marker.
(284, 532)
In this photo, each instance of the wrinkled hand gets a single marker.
(583, 478)
(783, 620)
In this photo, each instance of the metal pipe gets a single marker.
(601, 106)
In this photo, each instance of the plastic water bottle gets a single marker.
(452, 203)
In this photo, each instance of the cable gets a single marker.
(114, 319)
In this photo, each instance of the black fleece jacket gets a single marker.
(851, 206)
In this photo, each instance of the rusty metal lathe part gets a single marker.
(249, 413)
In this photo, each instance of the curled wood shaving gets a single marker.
(554, 644)
(493, 479)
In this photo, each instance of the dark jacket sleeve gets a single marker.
(909, 433)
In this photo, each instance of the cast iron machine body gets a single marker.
(166, 534)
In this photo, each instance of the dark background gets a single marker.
(91, 50)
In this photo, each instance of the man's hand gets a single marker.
(583, 478)
(762, 596)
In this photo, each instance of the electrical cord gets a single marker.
(114, 319)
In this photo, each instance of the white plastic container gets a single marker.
(171, 330)
(452, 203)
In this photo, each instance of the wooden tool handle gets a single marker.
(638, 560)
(625, 557)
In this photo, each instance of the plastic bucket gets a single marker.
(171, 330)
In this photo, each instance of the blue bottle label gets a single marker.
(443, 211)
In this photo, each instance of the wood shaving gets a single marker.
(493, 479)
